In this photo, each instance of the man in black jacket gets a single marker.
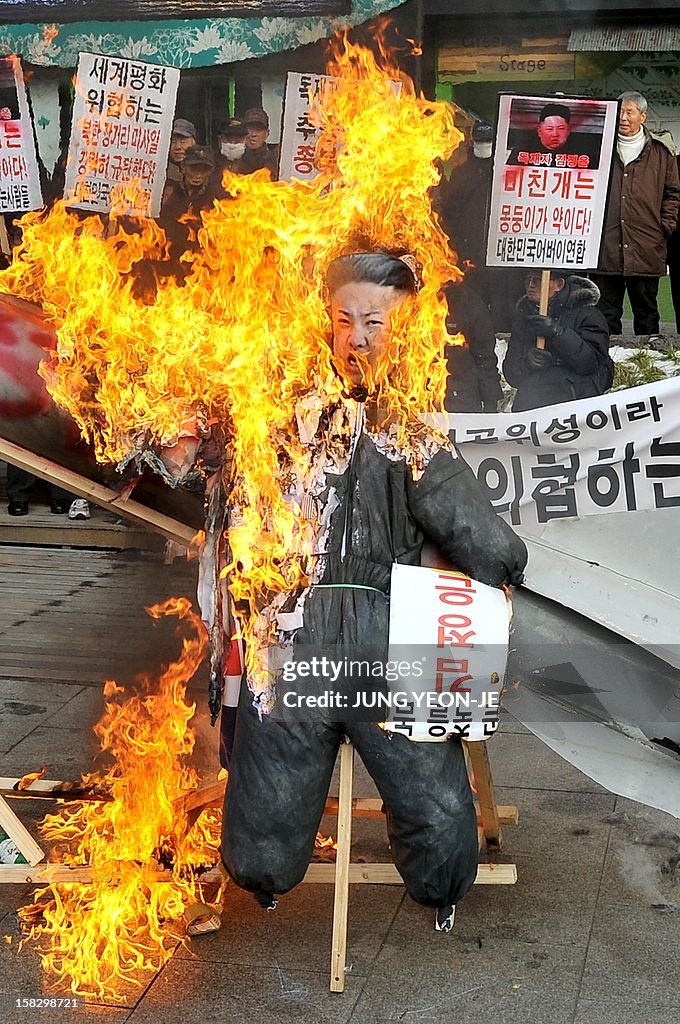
(575, 362)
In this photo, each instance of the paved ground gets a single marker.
(576, 941)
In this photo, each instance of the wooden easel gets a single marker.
(490, 817)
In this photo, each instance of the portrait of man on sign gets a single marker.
(554, 135)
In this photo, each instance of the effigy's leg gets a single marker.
(431, 820)
(279, 779)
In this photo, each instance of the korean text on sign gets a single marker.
(120, 138)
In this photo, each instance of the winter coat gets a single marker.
(473, 381)
(581, 368)
(641, 214)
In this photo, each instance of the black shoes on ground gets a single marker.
(18, 508)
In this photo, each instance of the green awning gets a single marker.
(180, 44)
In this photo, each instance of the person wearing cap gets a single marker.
(182, 139)
(575, 362)
(258, 152)
(231, 146)
(486, 302)
(184, 201)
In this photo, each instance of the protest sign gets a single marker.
(19, 177)
(122, 123)
(447, 655)
(300, 135)
(615, 453)
(551, 174)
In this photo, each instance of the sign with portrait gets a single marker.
(19, 177)
(122, 123)
(551, 175)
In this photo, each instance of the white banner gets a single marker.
(122, 123)
(299, 136)
(550, 178)
(19, 177)
(448, 650)
(616, 453)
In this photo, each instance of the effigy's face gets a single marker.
(361, 315)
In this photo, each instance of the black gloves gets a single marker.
(544, 326)
(539, 358)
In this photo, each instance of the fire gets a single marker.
(98, 938)
(245, 336)
(239, 344)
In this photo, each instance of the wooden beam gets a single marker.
(18, 833)
(97, 493)
(387, 874)
(342, 869)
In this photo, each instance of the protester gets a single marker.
(259, 153)
(463, 205)
(642, 213)
(183, 203)
(20, 486)
(182, 139)
(231, 146)
(473, 383)
(575, 362)
(376, 505)
(673, 260)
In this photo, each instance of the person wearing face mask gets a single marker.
(231, 145)
(641, 215)
(485, 302)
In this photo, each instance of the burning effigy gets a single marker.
(319, 475)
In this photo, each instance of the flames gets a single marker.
(100, 937)
(243, 338)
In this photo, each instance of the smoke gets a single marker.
(648, 859)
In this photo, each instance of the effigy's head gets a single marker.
(364, 288)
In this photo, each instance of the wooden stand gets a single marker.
(490, 817)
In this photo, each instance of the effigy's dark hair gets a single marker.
(373, 267)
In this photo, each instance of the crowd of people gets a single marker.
(640, 239)
(193, 183)
(557, 357)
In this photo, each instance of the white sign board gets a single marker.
(122, 123)
(19, 177)
(550, 180)
(615, 453)
(299, 136)
(449, 640)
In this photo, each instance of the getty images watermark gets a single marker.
(424, 688)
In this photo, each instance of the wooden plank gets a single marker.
(387, 874)
(486, 801)
(97, 493)
(16, 874)
(513, 67)
(17, 831)
(342, 870)
(371, 807)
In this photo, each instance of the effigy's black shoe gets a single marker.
(60, 508)
(18, 508)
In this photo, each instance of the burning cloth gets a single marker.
(371, 502)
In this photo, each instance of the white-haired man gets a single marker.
(642, 212)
